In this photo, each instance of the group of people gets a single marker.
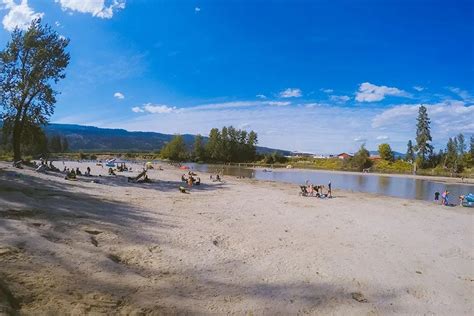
(191, 179)
(217, 178)
(123, 167)
(310, 189)
(72, 174)
(445, 198)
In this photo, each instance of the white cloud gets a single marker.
(261, 96)
(291, 93)
(158, 109)
(57, 23)
(313, 105)
(137, 109)
(369, 92)
(448, 118)
(463, 94)
(197, 9)
(150, 108)
(340, 98)
(119, 95)
(360, 139)
(326, 90)
(97, 8)
(418, 88)
(277, 103)
(19, 15)
(382, 137)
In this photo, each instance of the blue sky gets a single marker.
(317, 76)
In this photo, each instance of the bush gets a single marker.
(399, 166)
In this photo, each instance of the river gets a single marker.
(396, 186)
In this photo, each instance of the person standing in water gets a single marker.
(436, 197)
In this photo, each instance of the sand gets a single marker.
(238, 247)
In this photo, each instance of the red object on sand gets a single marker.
(184, 167)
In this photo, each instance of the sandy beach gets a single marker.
(103, 245)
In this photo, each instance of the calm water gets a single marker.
(386, 185)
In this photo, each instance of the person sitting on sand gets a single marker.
(41, 168)
(65, 169)
(88, 172)
(111, 172)
(52, 167)
(310, 189)
(198, 181)
(183, 178)
(71, 175)
(78, 172)
(137, 178)
(190, 181)
(218, 178)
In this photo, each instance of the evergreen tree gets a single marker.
(410, 155)
(199, 152)
(451, 157)
(386, 153)
(471, 146)
(251, 146)
(423, 136)
(212, 146)
(461, 144)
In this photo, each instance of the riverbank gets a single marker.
(450, 180)
(243, 246)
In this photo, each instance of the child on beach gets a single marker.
(436, 197)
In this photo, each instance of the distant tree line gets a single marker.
(454, 158)
(36, 143)
(226, 145)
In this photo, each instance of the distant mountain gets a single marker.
(90, 138)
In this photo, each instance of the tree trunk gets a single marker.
(16, 143)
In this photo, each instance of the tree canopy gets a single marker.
(423, 136)
(175, 150)
(31, 62)
(386, 153)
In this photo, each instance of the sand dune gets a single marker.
(242, 246)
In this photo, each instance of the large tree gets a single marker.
(361, 159)
(410, 155)
(175, 150)
(423, 135)
(461, 144)
(32, 61)
(386, 153)
(451, 157)
(199, 152)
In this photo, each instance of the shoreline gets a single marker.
(243, 246)
(440, 179)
